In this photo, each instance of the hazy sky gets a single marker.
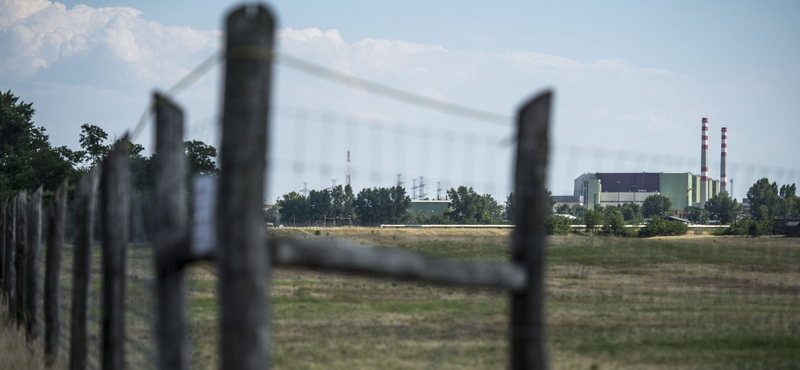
(628, 75)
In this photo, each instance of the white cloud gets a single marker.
(36, 35)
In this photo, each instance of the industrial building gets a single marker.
(429, 207)
(683, 189)
(612, 189)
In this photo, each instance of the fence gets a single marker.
(243, 261)
(131, 305)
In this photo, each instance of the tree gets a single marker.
(723, 207)
(699, 215)
(468, 207)
(592, 218)
(762, 193)
(200, 158)
(343, 202)
(790, 203)
(27, 159)
(509, 208)
(614, 224)
(656, 205)
(631, 213)
(563, 209)
(382, 205)
(92, 140)
(577, 210)
(294, 208)
(321, 205)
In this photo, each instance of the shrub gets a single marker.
(557, 225)
(661, 227)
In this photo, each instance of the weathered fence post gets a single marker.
(56, 214)
(244, 263)
(115, 192)
(8, 253)
(19, 258)
(3, 213)
(85, 198)
(31, 305)
(169, 166)
(527, 305)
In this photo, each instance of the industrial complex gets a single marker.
(683, 189)
(612, 189)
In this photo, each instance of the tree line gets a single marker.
(28, 159)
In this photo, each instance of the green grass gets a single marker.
(673, 303)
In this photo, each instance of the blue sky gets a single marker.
(628, 75)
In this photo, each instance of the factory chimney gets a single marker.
(723, 165)
(704, 165)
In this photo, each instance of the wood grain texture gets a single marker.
(85, 198)
(169, 205)
(115, 211)
(56, 216)
(244, 266)
(32, 295)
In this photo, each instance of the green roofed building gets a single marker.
(429, 207)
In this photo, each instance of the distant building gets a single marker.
(611, 189)
(429, 207)
(787, 225)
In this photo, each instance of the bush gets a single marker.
(661, 227)
(557, 225)
(746, 226)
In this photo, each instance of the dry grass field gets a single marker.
(666, 303)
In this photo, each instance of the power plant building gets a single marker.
(612, 189)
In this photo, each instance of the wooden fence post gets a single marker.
(169, 203)
(115, 192)
(19, 258)
(527, 305)
(56, 214)
(8, 254)
(31, 304)
(85, 198)
(3, 213)
(244, 263)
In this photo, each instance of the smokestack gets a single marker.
(704, 165)
(723, 165)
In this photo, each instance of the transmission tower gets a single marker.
(347, 179)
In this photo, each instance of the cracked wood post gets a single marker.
(85, 198)
(8, 253)
(244, 262)
(31, 304)
(19, 258)
(115, 210)
(169, 204)
(56, 215)
(527, 305)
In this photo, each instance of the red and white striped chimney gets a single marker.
(723, 165)
(704, 165)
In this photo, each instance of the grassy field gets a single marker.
(692, 303)
(669, 303)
